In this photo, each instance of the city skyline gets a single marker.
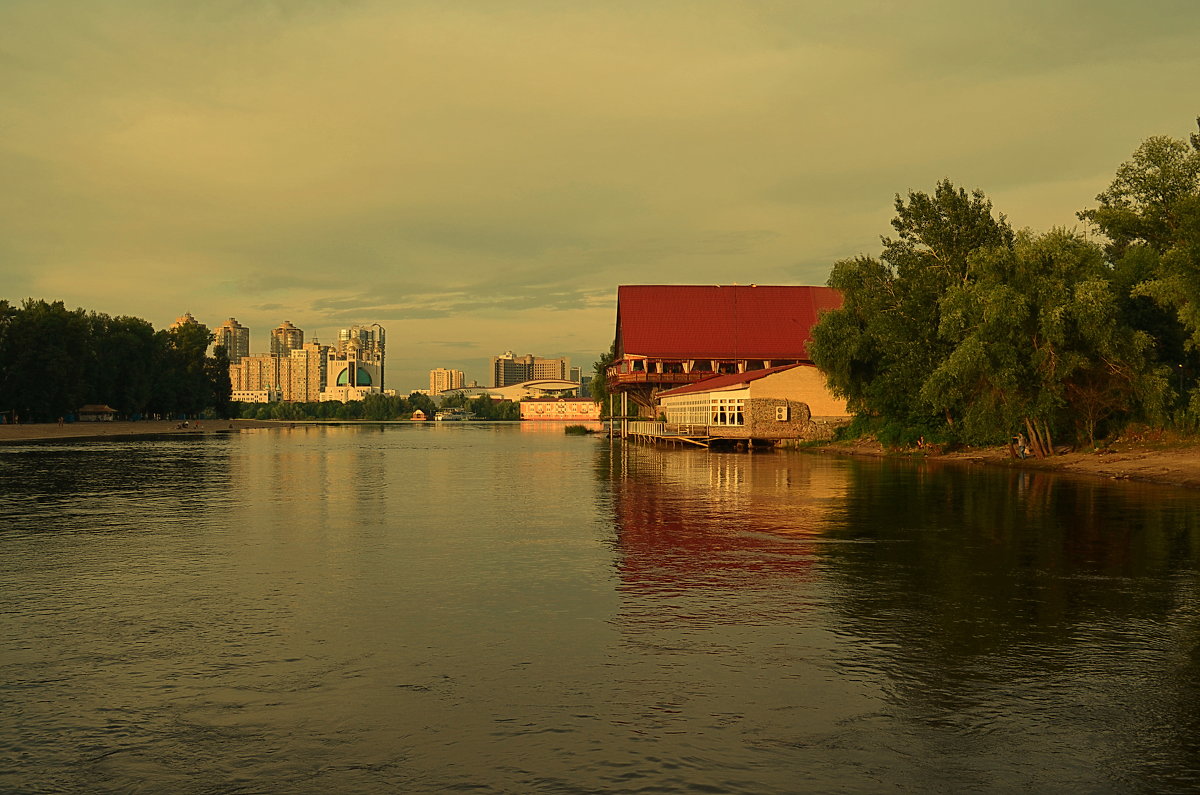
(273, 347)
(469, 173)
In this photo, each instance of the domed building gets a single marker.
(355, 368)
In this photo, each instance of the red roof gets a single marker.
(719, 322)
(726, 381)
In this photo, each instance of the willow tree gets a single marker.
(1038, 345)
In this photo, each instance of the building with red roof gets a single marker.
(673, 335)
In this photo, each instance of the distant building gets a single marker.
(256, 374)
(508, 369)
(306, 369)
(442, 379)
(365, 345)
(560, 409)
(254, 396)
(670, 336)
(354, 372)
(526, 389)
(370, 338)
(585, 383)
(296, 378)
(286, 338)
(551, 369)
(235, 337)
(96, 412)
(185, 319)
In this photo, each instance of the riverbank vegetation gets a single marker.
(964, 330)
(53, 360)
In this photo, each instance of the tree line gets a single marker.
(965, 330)
(55, 360)
(381, 407)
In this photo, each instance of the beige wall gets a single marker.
(803, 383)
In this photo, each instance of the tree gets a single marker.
(423, 403)
(882, 346)
(455, 400)
(599, 386)
(120, 362)
(1039, 346)
(1151, 217)
(44, 351)
(221, 390)
(1145, 202)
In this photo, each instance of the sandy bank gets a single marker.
(1148, 458)
(49, 431)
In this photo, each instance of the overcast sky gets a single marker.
(480, 176)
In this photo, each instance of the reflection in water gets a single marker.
(685, 513)
(1041, 628)
(1070, 601)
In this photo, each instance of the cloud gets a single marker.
(497, 169)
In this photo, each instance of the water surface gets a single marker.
(502, 608)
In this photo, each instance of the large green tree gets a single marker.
(882, 346)
(1150, 215)
(120, 365)
(44, 350)
(1039, 345)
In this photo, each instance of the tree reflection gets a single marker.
(986, 603)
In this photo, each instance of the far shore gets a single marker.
(51, 431)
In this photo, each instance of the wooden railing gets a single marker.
(616, 379)
(647, 428)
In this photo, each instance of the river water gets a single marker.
(503, 608)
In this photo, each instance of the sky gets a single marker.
(481, 176)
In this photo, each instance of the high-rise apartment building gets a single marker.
(296, 378)
(286, 338)
(306, 372)
(441, 379)
(184, 320)
(370, 339)
(256, 373)
(508, 369)
(234, 337)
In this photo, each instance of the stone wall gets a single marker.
(761, 422)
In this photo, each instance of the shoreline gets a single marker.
(120, 429)
(1149, 458)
